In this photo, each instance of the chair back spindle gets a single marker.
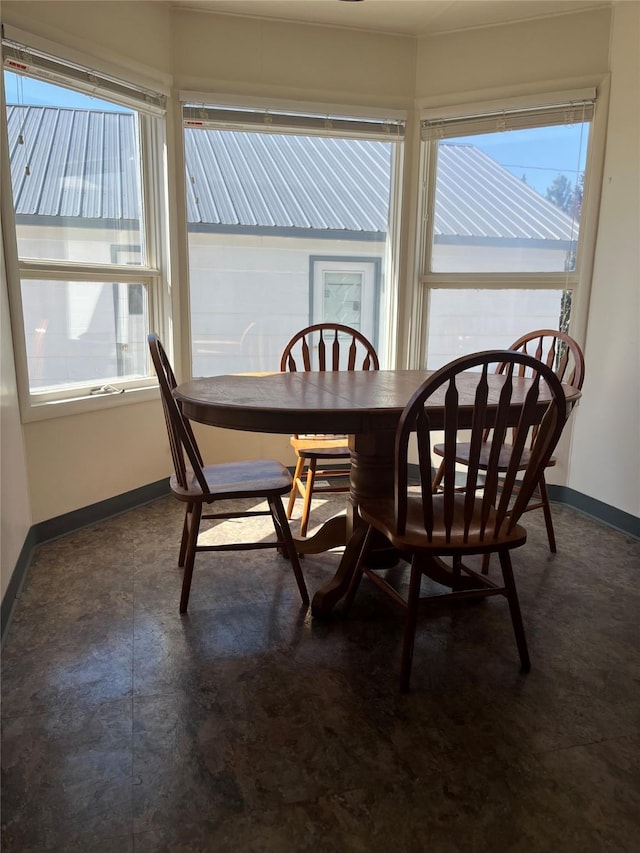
(557, 350)
(329, 346)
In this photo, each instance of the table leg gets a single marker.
(372, 476)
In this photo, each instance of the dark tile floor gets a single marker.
(249, 726)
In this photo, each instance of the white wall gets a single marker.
(605, 459)
(230, 54)
(251, 293)
(136, 35)
(514, 56)
(256, 57)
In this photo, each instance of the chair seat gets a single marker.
(237, 480)
(463, 451)
(321, 446)
(381, 514)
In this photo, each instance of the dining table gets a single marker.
(364, 405)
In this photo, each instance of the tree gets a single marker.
(565, 196)
(560, 193)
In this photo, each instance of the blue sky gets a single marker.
(538, 155)
(25, 90)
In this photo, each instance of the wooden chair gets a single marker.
(426, 526)
(561, 353)
(323, 346)
(197, 484)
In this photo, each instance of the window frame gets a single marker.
(319, 265)
(149, 107)
(577, 281)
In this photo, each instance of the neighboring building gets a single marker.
(307, 213)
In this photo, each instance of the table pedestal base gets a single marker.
(332, 534)
(372, 477)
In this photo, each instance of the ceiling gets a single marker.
(403, 17)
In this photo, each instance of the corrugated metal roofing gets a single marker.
(82, 164)
(475, 196)
(257, 179)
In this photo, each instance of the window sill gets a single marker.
(33, 411)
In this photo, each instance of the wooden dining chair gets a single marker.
(561, 353)
(427, 526)
(197, 484)
(323, 347)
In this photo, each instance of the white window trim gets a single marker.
(35, 406)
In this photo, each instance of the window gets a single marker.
(502, 206)
(289, 223)
(84, 188)
(347, 290)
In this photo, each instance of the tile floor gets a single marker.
(249, 726)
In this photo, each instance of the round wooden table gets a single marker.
(365, 405)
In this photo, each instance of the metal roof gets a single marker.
(477, 197)
(82, 164)
(258, 179)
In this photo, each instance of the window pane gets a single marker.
(81, 331)
(509, 201)
(343, 298)
(466, 321)
(284, 230)
(75, 172)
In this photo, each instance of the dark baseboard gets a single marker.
(605, 513)
(54, 528)
(16, 582)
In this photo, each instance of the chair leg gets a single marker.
(546, 508)
(284, 535)
(185, 535)
(365, 534)
(438, 478)
(410, 625)
(486, 559)
(514, 608)
(190, 555)
(308, 491)
(293, 494)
